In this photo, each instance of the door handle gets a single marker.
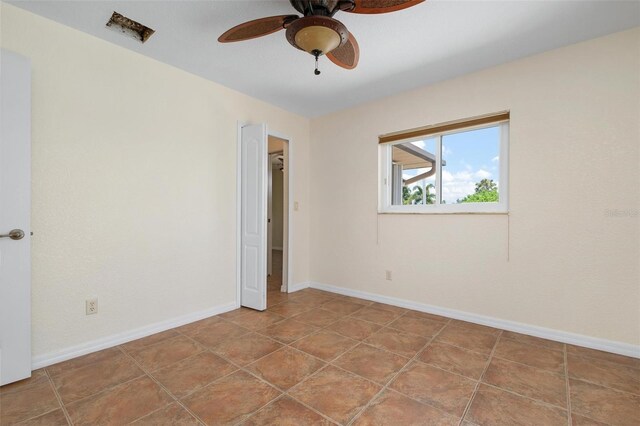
(14, 234)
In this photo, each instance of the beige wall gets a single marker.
(575, 140)
(277, 185)
(134, 184)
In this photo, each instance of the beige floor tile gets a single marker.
(372, 363)
(457, 360)
(343, 307)
(467, 339)
(121, 404)
(287, 412)
(391, 408)
(37, 376)
(318, 317)
(604, 404)
(193, 373)
(234, 313)
(80, 362)
(86, 381)
(604, 373)
(255, 320)
(149, 340)
(441, 389)
(231, 399)
(192, 328)
(578, 420)
(420, 326)
(52, 418)
(605, 356)
(336, 393)
(354, 300)
(354, 328)
(286, 368)
(403, 344)
(528, 381)
(289, 330)
(27, 399)
(246, 349)
(290, 309)
(215, 332)
(475, 327)
(425, 315)
(325, 345)
(171, 415)
(536, 341)
(395, 309)
(378, 316)
(166, 352)
(493, 406)
(533, 356)
(312, 300)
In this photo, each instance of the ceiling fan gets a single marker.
(317, 32)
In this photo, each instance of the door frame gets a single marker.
(287, 258)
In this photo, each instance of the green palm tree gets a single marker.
(406, 195)
(431, 196)
(416, 195)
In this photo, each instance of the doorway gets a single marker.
(276, 221)
(264, 208)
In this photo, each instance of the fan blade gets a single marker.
(257, 28)
(382, 6)
(347, 55)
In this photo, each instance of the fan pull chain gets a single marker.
(316, 53)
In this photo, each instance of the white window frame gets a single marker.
(384, 198)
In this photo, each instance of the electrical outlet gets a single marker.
(388, 275)
(91, 306)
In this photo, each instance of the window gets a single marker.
(456, 167)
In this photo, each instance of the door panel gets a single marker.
(15, 210)
(270, 217)
(253, 216)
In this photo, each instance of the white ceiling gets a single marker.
(433, 41)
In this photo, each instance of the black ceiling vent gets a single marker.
(129, 27)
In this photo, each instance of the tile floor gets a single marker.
(320, 358)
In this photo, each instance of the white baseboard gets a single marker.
(532, 330)
(44, 360)
(299, 286)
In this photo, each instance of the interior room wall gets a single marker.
(277, 194)
(567, 256)
(134, 186)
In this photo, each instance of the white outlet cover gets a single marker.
(91, 306)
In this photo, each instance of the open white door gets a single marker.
(15, 210)
(253, 216)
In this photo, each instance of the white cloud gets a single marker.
(496, 159)
(420, 144)
(460, 184)
(482, 174)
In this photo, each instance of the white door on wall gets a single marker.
(15, 210)
(253, 216)
(270, 216)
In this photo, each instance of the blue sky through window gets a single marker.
(470, 157)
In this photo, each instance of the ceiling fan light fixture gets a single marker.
(317, 39)
(317, 35)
